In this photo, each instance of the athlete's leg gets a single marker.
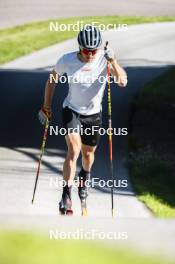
(74, 146)
(73, 141)
(90, 141)
(85, 173)
(88, 153)
(88, 148)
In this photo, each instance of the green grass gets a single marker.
(152, 175)
(154, 185)
(20, 248)
(22, 40)
(162, 88)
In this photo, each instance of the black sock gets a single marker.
(67, 190)
(84, 175)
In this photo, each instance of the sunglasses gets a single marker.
(87, 52)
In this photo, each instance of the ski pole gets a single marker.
(110, 134)
(40, 158)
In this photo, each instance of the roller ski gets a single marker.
(65, 205)
(83, 207)
(84, 176)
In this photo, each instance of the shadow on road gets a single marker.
(22, 96)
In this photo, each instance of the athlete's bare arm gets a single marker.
(118, 72)
(49, 90)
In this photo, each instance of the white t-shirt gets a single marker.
(87, 82)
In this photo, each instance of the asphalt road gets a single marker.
(145, 51)
(16, 12)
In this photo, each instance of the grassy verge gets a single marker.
(152, 145)
(22, 40)
(20, 248)
(162, 88)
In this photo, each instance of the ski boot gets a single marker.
(84, 176)
(65, 205)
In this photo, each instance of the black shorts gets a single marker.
(86, 126)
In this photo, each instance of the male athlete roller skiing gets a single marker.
(82, 107)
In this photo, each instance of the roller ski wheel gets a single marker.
(64, 210)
